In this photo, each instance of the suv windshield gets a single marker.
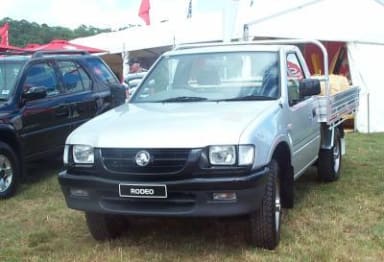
(8, 75)
(224, 76)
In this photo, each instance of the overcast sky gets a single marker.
(99, 13)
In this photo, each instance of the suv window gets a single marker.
(75, 78)
(42, 75)
(102, 71)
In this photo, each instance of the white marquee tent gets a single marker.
(154, 39)
(202, 28)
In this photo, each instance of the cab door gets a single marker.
(303, 128)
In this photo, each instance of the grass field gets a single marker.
(341, 221)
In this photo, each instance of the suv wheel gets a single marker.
(265, 222)
(9, 171)
(104, 226)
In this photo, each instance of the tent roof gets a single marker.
(199, 29)
(329, 20)
(60, 44)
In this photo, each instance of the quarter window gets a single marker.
(102, 72)
(74, 77)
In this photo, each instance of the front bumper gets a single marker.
(187, 198)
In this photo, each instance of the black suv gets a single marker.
(43, 97)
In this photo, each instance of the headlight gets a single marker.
(222, 155)
(83, 154)
(246, 154)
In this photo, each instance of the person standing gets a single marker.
(135, 66)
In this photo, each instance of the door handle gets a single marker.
(62, 111)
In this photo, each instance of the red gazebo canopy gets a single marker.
(61, 45)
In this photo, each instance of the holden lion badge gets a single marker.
(142, 158)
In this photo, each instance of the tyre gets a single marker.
(9, 171)
(103, 226)
(287, 191)
(329, 164)
(265, 222)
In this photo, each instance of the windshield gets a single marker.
(224, 76)
(8, 76)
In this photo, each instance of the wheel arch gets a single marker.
(9, 137)
(327, 135)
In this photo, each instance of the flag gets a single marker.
(144, 11)
(189, 10)
(4, 35)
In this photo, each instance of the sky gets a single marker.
(99, 13)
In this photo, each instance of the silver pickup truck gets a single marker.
(214, 130)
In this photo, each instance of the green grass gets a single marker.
(341, 221)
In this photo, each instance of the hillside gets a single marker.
(22, 32)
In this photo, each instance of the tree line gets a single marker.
(22, 32)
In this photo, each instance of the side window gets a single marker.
(75, 79)
(42, 75)
(101, 71)
(294, 75)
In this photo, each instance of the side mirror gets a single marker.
(118, 94)
(309, 87)
(34, 92)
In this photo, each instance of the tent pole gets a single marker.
(368, 115)
(125, 56)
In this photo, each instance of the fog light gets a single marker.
(224, 196)
(76, 192)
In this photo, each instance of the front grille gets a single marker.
(162, 160)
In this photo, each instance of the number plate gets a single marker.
(143, 190)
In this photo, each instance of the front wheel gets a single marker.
(9, 171)
(104, 226)
(265, 222)
(329, 164)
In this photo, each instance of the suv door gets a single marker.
(45, 120)
(78, 91)
(303, 127)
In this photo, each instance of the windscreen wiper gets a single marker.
(184, 99)
(248, 98)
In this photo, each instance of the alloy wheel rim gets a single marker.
(6, 173)
(277, 205)
(336, 157)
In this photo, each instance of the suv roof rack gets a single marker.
(59, 52)
(13, 52)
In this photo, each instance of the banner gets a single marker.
(4, 35)
(144, 11)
